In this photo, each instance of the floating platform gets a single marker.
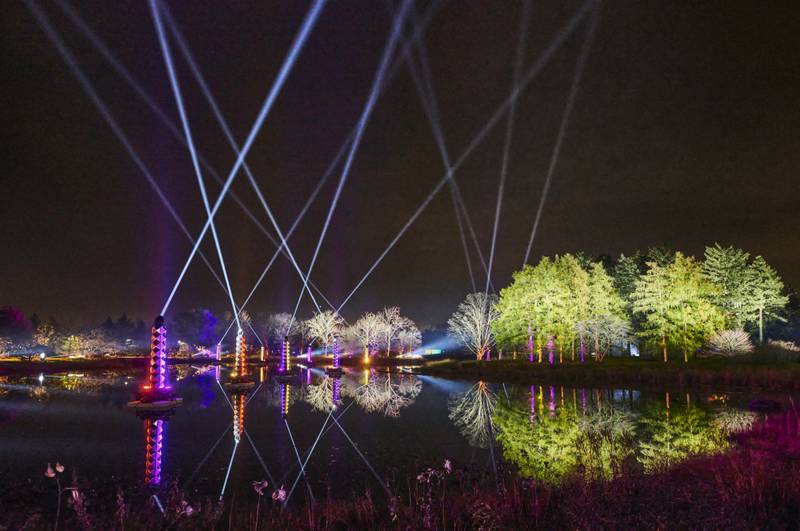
(156, 405)
(241, 385)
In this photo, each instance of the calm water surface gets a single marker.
(389, 426)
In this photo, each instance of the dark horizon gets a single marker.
(682, 135)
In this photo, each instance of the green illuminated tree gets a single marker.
(526, 305)
(728, 268)
(604, 322)
(676, 302)
(765, 298)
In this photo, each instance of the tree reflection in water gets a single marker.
(604, 439)
(472, 414)
(381, 395)
(320, 395)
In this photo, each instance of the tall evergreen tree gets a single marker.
(765, 294)
(676, 302)
(728, 268)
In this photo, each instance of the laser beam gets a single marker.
(162, 38)
(427, 96)
(283, 74)
(562, 128)
(102, 108)
(523, 32)
(563, 33)
(187, 54)
(362, 123)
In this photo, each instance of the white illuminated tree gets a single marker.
(381, 395)
(391, 324)
(367, 330)
(280, 325)
(320, 395)
(409, 338)
(472, 414)
(324, 327)
(472, 322)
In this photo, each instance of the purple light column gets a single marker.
(154, 441)
(158, 355)
(335, 353)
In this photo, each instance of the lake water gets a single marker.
(390, 426)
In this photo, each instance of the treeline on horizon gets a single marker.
(659, 301)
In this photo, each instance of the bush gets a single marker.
(731, 342)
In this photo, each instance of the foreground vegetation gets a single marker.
(751, 486)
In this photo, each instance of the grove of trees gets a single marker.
(569, 304)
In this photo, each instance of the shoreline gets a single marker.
(13, 367)
(626, 373)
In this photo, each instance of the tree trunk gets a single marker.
(664, 344)
(761, 326)
(583, 350)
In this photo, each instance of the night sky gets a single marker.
(685, 132)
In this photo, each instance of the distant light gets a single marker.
(42, 356)
(433, 351)
(41, 378)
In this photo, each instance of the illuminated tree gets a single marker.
(625, 274)
(391, 324)
(765, 294)
(367, 330)
(409, 338)
(522, 306)
(324, 327)
(604, 321)
(280, 325)
(661, 255)
(472, 414)
(604, 331)
(676, 302)
(727, 267)
(44, 334)
(472, 323)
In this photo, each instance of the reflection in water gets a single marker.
(238, 400)
(285, 390)
(599, 440)
(154, 442)
(548, 432)
(472, 413)
(155, 428)
(321, 395)
(381, 395)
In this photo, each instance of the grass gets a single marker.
(753, 486)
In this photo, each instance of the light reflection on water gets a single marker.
(399, 423)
